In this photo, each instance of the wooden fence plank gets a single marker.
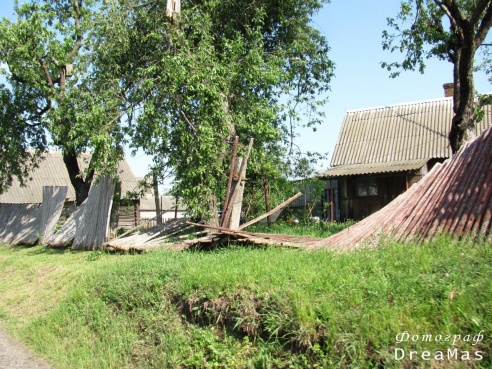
(53, 200)
(93, 231)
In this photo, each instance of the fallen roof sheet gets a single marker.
(453, 198)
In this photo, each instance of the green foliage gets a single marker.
(205, 76)
(305, 227)
(55, 96)
(251, 307)
(448, 30)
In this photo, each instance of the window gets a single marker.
(366, 187)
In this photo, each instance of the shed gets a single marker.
(382, 151)
(167, 204)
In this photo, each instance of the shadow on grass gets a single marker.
(40, 249)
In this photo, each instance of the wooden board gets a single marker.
(51, 209)
(19, 223)
(92, 232)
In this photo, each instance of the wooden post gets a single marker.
(156, 199)
(237, 188)
(236, 202)
(229, 182)
(266, 190)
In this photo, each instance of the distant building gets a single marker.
(382, 151)
(167, 204)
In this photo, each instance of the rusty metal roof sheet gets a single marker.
(398, 133)
(52, 172)
(370, 168)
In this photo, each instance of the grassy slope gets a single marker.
(248, 307)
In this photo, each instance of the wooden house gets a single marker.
(383, 151)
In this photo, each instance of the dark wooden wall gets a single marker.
(357, 207)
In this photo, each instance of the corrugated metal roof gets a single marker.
(398, 133)
(52, 172)
(369, 168)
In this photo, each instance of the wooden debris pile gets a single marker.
(163, 236)
(453, 198)
(237, 235)
(159, 236)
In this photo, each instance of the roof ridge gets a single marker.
(436, 99)
(441, 99)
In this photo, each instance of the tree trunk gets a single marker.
(266, 190)
(212, 208)
(80, 185)
(463, 124)
(212, 205)
(156, 199)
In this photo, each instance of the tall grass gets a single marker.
(252, 307)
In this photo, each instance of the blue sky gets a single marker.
(353, 29)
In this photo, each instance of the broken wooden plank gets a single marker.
(67, 232)
(150, 234)
(263, 238)
(282, 205)
(93, 231)
(53, 200)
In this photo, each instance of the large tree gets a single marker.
(218, 69)
(451, 30)
(54, 96)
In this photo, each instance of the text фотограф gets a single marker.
(449, 353)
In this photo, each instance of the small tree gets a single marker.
(55, 96)
(451, 30)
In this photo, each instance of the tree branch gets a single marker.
(78, 41)
(19, 79)
(480, 7)
(485, 26)
(46, 71)
(455, 15)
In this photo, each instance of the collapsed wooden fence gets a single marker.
(453, 198)
(86, 228)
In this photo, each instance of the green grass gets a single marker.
(245, 307)
(305, 227)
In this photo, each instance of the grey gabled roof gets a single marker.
(396, 137)
(52, 172)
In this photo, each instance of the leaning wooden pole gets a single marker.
(229, 182)
(253, 221)
(230, 205)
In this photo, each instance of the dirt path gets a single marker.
(14, 355)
